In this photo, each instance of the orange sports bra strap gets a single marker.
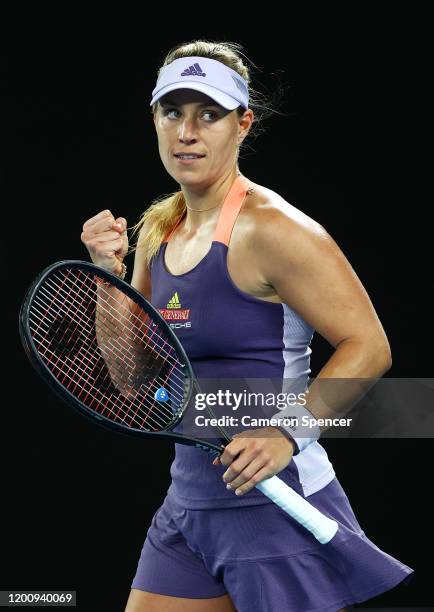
(170, 232)
(230, 209)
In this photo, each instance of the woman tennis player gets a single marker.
(244, 279)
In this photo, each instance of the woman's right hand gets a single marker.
(106, 240)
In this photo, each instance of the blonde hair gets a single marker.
(165, 211)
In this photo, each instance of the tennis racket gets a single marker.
(107, 352)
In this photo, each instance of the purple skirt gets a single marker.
(263, 558)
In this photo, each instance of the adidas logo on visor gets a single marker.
(194, 70)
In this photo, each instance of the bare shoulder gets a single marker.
(267, 220)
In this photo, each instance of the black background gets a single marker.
(353, 151)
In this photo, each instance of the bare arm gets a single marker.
(306, 268)
(120, 328)
(297, 258)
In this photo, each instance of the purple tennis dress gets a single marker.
(204, 541)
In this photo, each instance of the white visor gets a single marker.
(216, 80)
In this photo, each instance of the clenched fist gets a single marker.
(106, 240)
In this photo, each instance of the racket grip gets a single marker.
(321, 526)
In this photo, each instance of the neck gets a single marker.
(210, 197)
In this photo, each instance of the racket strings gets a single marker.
(64, 320)
(94, 391)
(169, 355)
(111, 405)
(95, 370)
(84, 326)
(87, 328)
(150, 344)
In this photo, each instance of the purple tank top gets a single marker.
(226, 333)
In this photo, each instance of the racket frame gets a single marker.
(38, 363)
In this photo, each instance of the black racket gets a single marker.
(108, 352)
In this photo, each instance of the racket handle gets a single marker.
(321, 526)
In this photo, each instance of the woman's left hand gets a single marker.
(253, 456)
